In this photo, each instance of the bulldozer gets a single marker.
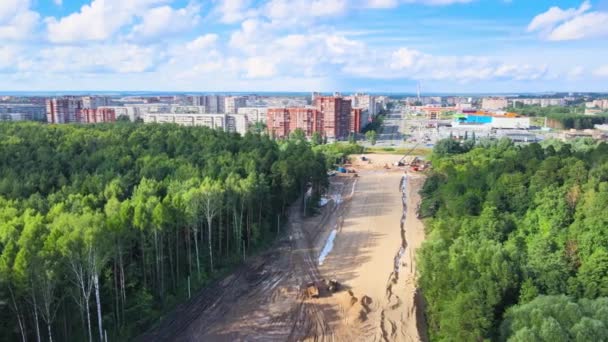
(324, 287)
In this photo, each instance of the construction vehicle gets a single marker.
(312, 290)
(324, 287)
(401, 161)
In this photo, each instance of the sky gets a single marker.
(304, 45)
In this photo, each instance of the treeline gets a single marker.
(567, 117)
(105, 227)
(517, 243)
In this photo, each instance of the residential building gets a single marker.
(365, 102)
(63, 110)
(494, 103)
(356, 122)
(283, 121)
(95, 101)
(236, 123)
(253, 114)
(212, 103)
(598, 104)
(233, 103)
(335, 112)
(20, 112)
(97, 115)
(215, 121)
(132, 112)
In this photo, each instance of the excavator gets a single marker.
(401, 161)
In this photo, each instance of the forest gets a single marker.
(517, 242)
(104, 228)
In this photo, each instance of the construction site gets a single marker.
(348, 273)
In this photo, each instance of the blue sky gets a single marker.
(304, 45)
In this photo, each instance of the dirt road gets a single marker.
(371, 254)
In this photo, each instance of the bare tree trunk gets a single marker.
(123, 291)
(98, 302)
(18, 313)
(48, 328)
(209, 220)
(198, 263)
(88, 313)
(35, 313)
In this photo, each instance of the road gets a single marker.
(372, 256)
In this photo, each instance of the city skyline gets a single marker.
(462, 46)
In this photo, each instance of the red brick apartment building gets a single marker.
(355, 119)
(97, 115)
(331, 116)
(336, 113)
(63, 110)
(282, 121)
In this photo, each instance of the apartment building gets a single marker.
(20, 112)
(97, 115)
(494, 103)
(63, 110)
(233, 103)
(93, 102)
(212, 103)
(282, 121)
(335, 112)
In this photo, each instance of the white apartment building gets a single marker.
(233, 103)
(215, 121)
(230, 123)
(600, 104)
(365, 102)
(93, 102)
(494, 103)
(543, 102)
(253, 114)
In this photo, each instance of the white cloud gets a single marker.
(576, 72)
(588, 25)
(570, 24)
(414, 64)
(202, 43)
(17, 21)
(163, 20)
(601, 71)
(556, 15)
(98, 58)
(8, 56)
(58, 2)
(232, 11)
(97, 21)
(258, 67)
(395, 3)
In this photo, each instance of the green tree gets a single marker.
(371, 137)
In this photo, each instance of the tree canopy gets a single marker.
(104, 227)
(515, 233)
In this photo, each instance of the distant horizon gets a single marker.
(25, 93)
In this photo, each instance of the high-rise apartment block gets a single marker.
(331, 116)
(92, 102)
(335, 112)
(63, 110)
(97, 115)
(282, 121)
(233, 103)
(212, 103)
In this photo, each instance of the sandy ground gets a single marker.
(372, 256)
